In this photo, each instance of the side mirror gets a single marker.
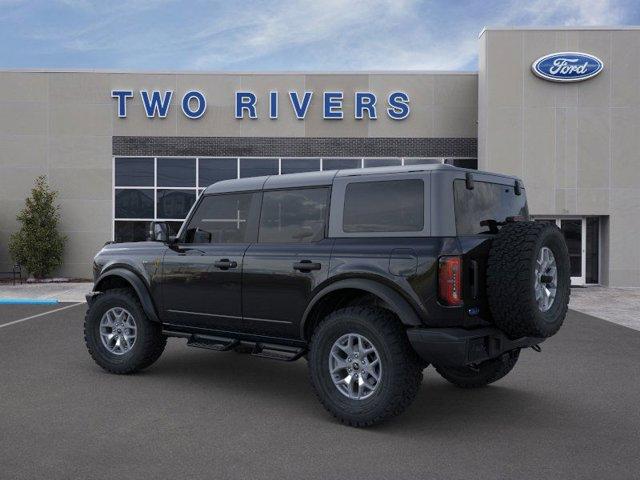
(159, 232)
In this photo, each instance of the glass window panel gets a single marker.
(381, 162)
(176, 172)
(258, 167)
(572, 230)
(174, 227)
(593, 248)
(131, 231)
(134, 203)
(293, 216)
(477, 209)
(175, 203)
(471, 163)
(212, 170)
(421, 161)
(391, 206)
(227, 218)
(340, 163)
(134, 172)
(299, 165)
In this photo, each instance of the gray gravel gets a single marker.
(570, 412)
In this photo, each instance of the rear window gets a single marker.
(487, 202)
(388, 206)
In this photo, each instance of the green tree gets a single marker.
(38, 246)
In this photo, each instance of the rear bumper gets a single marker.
(459, 347)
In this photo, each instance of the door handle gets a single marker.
(306, 266)
(225, 264)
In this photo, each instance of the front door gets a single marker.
(202, 272)
(289, 261)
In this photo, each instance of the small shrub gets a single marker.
(37, 245)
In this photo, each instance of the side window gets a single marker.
(293, 216)
(387, 206)
(226, 218)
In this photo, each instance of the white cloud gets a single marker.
(298, 35)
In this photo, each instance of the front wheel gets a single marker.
(481, 375)
(119, 336)
(362, 366)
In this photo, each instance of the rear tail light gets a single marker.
(450, 280)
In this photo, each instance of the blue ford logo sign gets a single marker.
(567, 66)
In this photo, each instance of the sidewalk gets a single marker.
(617, 305)
(63, 292)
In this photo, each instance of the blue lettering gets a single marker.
(398, 105)
(332, 105)
(246, 101)
(273, 105)
(156, 105)
(122, 96)
(201, 101)
(299, 108)
(365, 101)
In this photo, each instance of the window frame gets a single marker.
(200, 190)
(327, 216)
(338, 197)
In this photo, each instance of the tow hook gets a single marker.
(536, 348)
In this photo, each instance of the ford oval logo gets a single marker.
(567, 66)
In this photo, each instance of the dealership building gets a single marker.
(559, 108)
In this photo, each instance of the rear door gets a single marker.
(202, 272)
(289, 260)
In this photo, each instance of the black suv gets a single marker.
(370, 275)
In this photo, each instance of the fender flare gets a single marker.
(138, 285)
(398, 304)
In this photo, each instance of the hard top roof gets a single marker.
(323, 178)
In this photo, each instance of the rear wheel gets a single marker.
(362, 367)
(119, 336)
(487, 372)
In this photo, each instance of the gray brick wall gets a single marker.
(294, 146)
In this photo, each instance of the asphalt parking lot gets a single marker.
(572, 411)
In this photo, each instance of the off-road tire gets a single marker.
(487, 372)
(401, 374)
(149, 344)
(511, 279)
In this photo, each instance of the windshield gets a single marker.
(480, 210)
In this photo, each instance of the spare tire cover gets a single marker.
(528, 279)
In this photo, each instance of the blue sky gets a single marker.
(276, 34)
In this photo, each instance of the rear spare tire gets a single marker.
(528, 279)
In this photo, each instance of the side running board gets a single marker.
(211, 342)
(273, 351)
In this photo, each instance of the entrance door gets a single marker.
(574, 231)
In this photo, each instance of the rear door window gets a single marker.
(478, 210)
(384, 206)
(293, 216)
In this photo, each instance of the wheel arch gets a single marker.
(330, 298)
(122, 277)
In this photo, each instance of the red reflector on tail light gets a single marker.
(450, 280)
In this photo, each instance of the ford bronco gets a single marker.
(371, 275)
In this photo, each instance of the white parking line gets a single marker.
(40, 314)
